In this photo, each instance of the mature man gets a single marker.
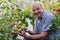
(42, 29)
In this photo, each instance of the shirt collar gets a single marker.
(43, 15)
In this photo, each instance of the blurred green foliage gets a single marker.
(10, 11)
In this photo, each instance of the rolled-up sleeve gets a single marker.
(47, 23)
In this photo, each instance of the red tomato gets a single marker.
(12, 33)
(57, 10)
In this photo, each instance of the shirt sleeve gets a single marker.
(47, 23)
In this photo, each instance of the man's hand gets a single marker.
(23, 33)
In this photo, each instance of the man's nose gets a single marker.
(36, 11)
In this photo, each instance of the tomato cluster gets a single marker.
(18, 28)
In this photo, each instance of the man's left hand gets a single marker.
(23, 33)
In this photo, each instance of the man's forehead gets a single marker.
(36, 4)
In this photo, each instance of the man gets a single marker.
(42, 29)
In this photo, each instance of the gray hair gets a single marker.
(37, 2)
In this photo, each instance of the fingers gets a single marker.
(27, 30)
(19, 33)
(22, 33)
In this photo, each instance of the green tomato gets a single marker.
(15, 29)
(19, 30)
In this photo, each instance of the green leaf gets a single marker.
(9, 0)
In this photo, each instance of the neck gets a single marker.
(40, 18)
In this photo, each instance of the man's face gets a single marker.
(37, 10)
